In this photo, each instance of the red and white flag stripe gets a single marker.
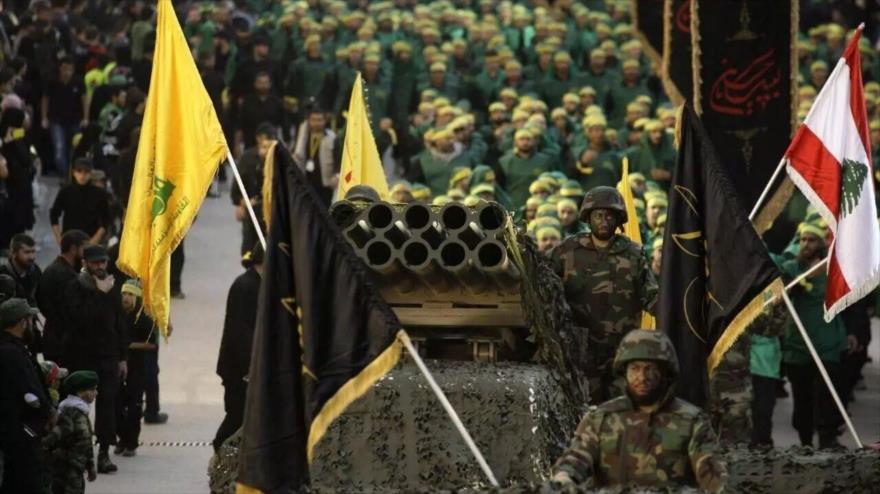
(829, 160)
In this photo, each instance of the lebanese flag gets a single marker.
(829, 160)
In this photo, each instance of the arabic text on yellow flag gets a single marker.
(180, 147)
(360, 157)
(631, 228)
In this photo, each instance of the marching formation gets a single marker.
(422, 130)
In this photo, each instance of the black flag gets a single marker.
(746, 68)
(677, 72)
(647, 18)
(716, 273)
(324, 335)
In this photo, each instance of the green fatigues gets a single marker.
(437, 172)
(607, 291)
(617, 444)
(72, 452)
(309, 78)
(646, 157)
(521, 171)
(730, 394)
(620, 95)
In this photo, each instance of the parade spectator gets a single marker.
(25, 406)
(81, 206)
(21, 266)
(64, 110)
(98, 343)
(51, 292)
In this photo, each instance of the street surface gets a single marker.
(175, 456)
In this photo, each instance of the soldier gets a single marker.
(608, 283)
(646, 437)
(74, 454)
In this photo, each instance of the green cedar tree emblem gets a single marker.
(854, 174)
(162, 190)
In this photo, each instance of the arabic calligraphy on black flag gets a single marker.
(677, 74)
(744, 70)
(324, 336)
(647, 18)
(716, 274)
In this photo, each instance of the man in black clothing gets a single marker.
(81, 206)
(250, 166)
(25, 407)
(257, 107)
(22, 267)
(64, 108)
(235, 346)
(97, 342)
(50, 292)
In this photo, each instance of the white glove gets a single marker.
(106, 284)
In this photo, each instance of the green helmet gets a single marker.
(363, 193)
(604, 197)
(645, 344)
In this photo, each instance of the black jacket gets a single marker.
(50, 300)
(83, 207)
(19, 376)
(96, 330)
(238, 327)
(25, 282)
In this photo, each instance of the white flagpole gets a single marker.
(766, 190)
(404, 338)
(246, 199)
(821, 366)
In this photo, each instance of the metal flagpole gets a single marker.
(246, 199)
(800, 277)
(766, 190)
(404, 338)
(821, 366)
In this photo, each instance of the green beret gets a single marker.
(80, 380)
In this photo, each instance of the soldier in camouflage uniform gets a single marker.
(647, 437)
(608, 283)
(730, 395)
(71, 440)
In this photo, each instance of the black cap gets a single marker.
(83, 163)
(14, 310)
(95, 253)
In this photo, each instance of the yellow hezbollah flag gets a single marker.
(180, 147)
(631, 228)
(360, 158)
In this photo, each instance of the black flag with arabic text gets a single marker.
(324, 335)
(716, 274)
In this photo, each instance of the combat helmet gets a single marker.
(603, 197)
(363, 193)
(645, 344)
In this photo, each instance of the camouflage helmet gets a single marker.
(645, 344)
(603, 197)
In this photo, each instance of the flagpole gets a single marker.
(246, 199)
(404, 338)
(766, 190)
(821, 366)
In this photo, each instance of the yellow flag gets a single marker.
(180, 147)
(631, 228)
(360, 157)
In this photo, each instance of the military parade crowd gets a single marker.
(532, 104)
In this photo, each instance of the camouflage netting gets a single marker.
(398, 436)
(544, 307)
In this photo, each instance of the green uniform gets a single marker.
(616, 443)
(730, 394)
(378, 96)
(437, 169)
(521, 171)
(646, 157)
(553, 88)
(620, 95)
(607, 290)
(311, 78)
(485, 88)
(71, 449)
(576, 228)
(829, 338)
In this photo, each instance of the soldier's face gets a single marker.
(603, 222)
(644, 379)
